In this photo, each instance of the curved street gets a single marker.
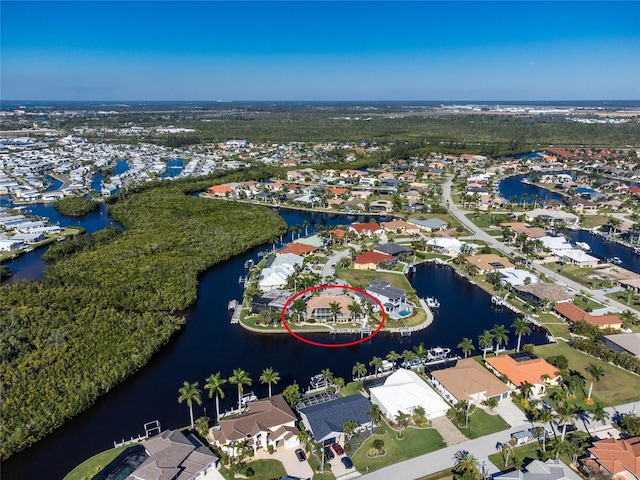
(480, 234)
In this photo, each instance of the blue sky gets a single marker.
(161, 50)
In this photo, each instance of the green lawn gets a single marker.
(482, 423)
(93, 465)
(615, 387)
(415, 442)
(633, 303)
(350, 388)
(264, 470)
(527, 453)
(492, 219)
(362, 278)
(442, 475)
(591, 221)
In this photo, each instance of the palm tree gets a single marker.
(485, 340)
(299, 306)
(599, 414)
(214, 383)
(189, 392)
(544, 416)
(376, 363)
(596, 373)
(375, 413)
(359, 369)
(500, 334)
(408, 356)
(356, 309)
(240, 378)
(526, 388)
(269, 377)
(327, 375)
(393, 357)
(466, 345)
(566, 412)
(335, 310)
(521, 327)
(402, 419)
(420, 351)
(465, 463)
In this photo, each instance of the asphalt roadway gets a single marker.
(480, 234)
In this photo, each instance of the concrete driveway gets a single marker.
(292, 465)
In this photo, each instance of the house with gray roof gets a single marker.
(391, 248)
(430, 225)
(325, 421)
(394, 300)
(538, 470)
(173, 456)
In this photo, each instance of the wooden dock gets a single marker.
(235, 318)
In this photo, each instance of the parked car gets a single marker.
(301, 455)
(546, 404)
(337, 448)
(328, 454)
(346, 461)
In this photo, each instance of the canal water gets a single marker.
(604, 249)
(513, 187)
(209, 343)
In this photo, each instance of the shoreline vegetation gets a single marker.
(106, 306)
(75, 206)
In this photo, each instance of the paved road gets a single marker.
(329, 268)
(494, 242)
(480, 447)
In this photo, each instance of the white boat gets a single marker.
(438, 353)
(583, 246)
(432, 302)
(318, 381)
(248, 397)
(636, 250)
(496, 300)
(386, 366)
(614, 260)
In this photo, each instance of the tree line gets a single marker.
(105, 306)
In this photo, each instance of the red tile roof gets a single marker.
(298, 249)
(361, 228)
(372, 257)
(618, 456)
(575, 314)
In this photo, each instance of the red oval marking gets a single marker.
(332, 345)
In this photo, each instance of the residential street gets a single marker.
(480, 447)
(494, 242)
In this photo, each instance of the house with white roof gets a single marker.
(277, 270)
(404, 391)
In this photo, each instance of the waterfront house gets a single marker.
(394, 300)
(381, 206)
(11, 244)
(271, 301)
(522, 367)
(370, 260)
(368, 229)
(298, 248)
(220, 190)
(28, 238)
(538, 470)
(538, 293)
(619, 458)
(325, 421)
(277, 270)
(393, 249)
(400, 226)
(516, 277)
(266, 422)
(469, 381)
(573, 314)
(404, 391)
(552, 216)
(171, 454)
(319, 307)
(489, 262)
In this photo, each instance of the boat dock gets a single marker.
(237, 308)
